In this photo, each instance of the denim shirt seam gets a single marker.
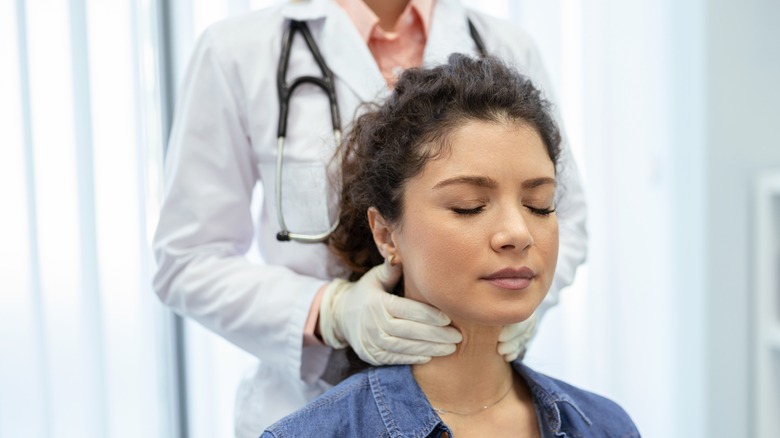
(548, 404)
(381, 403)
(550, 401)
(570, 402)
(387, 416)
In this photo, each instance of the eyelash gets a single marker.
(468, 211)
(541, 211)
(477, 210)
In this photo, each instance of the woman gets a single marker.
(454, 180)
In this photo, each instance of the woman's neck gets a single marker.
(472, 377)
(387, 11)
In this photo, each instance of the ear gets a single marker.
(382, 230)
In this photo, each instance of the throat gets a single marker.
(473, 379)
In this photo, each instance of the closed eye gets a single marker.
(468, 211)
(540, 211)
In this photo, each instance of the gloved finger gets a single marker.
(401, 359)
(414, 347)
(509, 332)
(387, 276)
(378, 355)
(509, 348)
(514, 338)
(411, 310)
(521, 329)
(512, 357)
(511, 351)
(402, 328)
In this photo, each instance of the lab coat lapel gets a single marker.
(344, 51)
(349, 58)
(449, 33)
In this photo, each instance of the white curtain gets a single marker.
(82, 343)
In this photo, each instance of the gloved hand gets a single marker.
(514, 338)
(382, 328)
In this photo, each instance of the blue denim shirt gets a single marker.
(388, 402)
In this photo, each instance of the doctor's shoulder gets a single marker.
(508, 41)
(248, 35)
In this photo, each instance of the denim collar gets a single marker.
(547, 395)
(406, 411)
(402, 404)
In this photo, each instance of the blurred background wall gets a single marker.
(742, 120)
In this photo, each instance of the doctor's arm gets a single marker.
(206, 226)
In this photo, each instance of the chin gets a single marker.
(494, 317)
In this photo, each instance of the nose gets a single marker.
(512, 233)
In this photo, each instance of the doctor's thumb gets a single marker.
(387, 275)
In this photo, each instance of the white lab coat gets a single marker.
(223, 146)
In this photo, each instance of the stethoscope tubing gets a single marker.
(285, 91)
(327, 84)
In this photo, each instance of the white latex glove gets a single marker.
(382, 328)
(514, 338)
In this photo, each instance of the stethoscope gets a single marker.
(327, 84)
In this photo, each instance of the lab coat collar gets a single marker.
(348, 56)
(305, 9)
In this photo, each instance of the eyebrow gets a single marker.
(479, 181)
(536, 182)
(490, 183)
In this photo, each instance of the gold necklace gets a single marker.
(482, 409)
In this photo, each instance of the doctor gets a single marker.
(226, 187)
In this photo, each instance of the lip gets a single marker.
(511, 278)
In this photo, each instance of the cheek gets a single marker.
(546, 240)
(435, 257)
(554, 243)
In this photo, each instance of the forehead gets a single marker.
(510, 151)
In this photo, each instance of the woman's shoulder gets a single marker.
(567, 407)
(332, 413)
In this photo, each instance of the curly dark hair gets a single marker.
(391, 142)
